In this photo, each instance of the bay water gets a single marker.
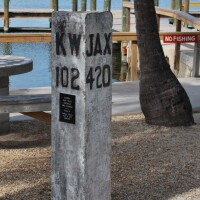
(40, 52)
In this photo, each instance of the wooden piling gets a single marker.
(156, 2)
(93, 4)
(196, 60)
(185, 8)
(126, 19)
(172, 4)
(54, 5)
(6, 15)
(107, 5)
(178, 4)
(177, 47)
(175, 5)
(74, 5)
(133, 64)
(83, 5)
(185, 5)
(7, 50)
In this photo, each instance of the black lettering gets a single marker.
(57, 76)
(64, 76)
(98, 70)
(90, 79)
(90, 53)
(75, 75)
(74, 43)
(107, 47)
(97, 48)
(106, 80)
(59, 44)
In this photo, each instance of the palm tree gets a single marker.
(163, 100)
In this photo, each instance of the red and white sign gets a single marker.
(180, 38)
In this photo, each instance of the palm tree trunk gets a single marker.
(163, 100)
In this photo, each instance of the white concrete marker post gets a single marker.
(81, 105)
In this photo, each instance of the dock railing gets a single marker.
(130, 36)
(8, 13)
(180, 17)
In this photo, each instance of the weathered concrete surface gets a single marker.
(81, 105)
(4, 118)
(10, 65)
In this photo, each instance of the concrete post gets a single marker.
(81, 105)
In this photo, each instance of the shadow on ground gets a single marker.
(148, 162)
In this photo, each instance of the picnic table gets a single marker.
(10, 65)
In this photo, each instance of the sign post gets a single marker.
(81, 105)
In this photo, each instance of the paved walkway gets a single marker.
(126, 97)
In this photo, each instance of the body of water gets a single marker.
(40, 52)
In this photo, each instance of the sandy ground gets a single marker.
(148, 162)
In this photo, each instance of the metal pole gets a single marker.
(93, 4)
(107, 5)
(74, 5)
(83, 5)
(6, 15)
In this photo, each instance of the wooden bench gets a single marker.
(31, 105)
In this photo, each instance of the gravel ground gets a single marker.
(148, 162)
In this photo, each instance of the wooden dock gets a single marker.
(130, 35)
(26, 13)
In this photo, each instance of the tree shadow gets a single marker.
(39, 192)
(25, 174)
(153, 162)
(26, 134)
(148, 162)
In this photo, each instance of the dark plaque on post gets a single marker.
(67, 108)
